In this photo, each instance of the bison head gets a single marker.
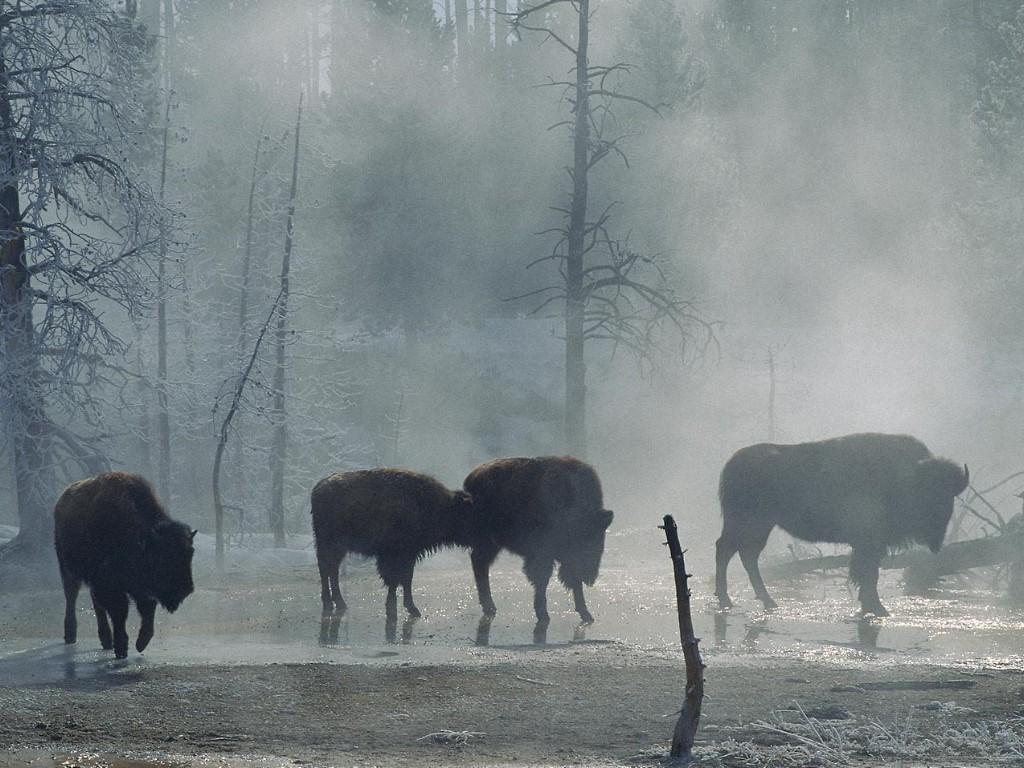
(937, 483)
(169, 553)
(584, 546)
(462, 519)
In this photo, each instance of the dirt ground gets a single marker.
(244, 674)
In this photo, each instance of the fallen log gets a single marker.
(922, 567)
(906, 685)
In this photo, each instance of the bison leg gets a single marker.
(725, 548)
(71, 586)
(116, 604)
(102, 625)
(749, 555)
(864, 564)
(391, 570)
(330, 590)
(581, 603)
(410, 606)
(538, 571)
(482, 557)
(147, 610)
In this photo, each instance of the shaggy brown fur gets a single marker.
(111, 533)
(396, 515)
(544, 509)
(871, 491)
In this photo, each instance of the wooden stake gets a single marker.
(689, 717)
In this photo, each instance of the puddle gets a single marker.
(252, 623)
(36, 759)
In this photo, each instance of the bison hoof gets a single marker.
(107, 645)
(724, 602)
(769, 604)
(490, 610)
(874, 610)
(70, 640)
(586, 617)
(414, 612)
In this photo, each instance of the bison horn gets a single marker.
(193, 534)
(967, 476)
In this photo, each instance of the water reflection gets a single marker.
(579, 634)
(329, 627)
(867, 633)
(540, 632)
(391, 629)
(752, 630)
(483, 631)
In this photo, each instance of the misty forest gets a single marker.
(298, 296)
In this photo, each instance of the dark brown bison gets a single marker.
(544, 509)
(111, 533)
(871, 491)
(396, 515)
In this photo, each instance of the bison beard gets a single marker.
(111, 533)
(871, 491)
(544, 509)
(395, 515)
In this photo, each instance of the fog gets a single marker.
(825, 183)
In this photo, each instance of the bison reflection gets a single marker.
(111, 533)
(395, 515)
(546, 509)
(871, 491)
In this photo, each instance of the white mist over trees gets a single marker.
(837, 182)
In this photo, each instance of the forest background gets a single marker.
(830, 192)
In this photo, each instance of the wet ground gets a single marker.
(246, 674)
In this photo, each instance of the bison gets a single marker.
(396, 515)
(872, 491)
(544, 509)
(112, 533)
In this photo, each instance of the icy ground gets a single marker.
(245, 673)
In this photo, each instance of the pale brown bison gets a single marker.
(545, 509)
(872, 491)
(395, 515)
(112, 534)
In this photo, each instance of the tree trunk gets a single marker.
(163, 419)
(20, 384)
(693, 698)
(335, 73)
(280, 442)
(462, 34)
(575, 366)
(500, 25)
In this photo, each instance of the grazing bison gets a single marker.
(871, 491)
(111, 533)
(544, 509)
(396, 515)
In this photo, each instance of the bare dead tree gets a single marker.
(163, 418)
(280, 442)
(225, 428)
(605, 287)
(76, 232)
(693, 697)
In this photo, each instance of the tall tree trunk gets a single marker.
(462, 34)
(500, 25)
(313, 47)
(163, 419)
(337, 24)
(280, 442)
(575, 366)
(21, 385)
